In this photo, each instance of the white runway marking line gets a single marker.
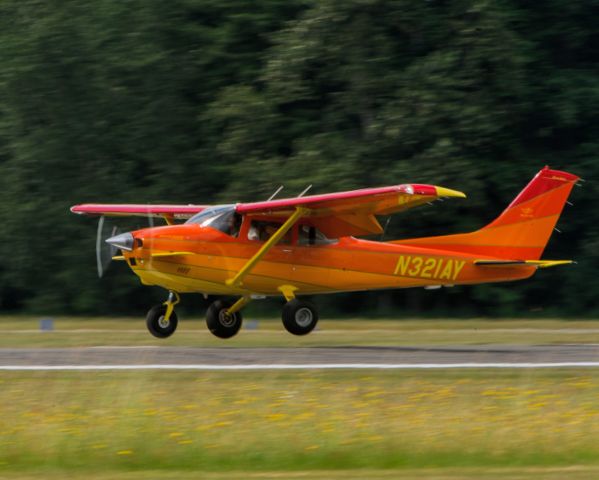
(307, 366)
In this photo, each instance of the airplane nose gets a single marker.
(124, 241)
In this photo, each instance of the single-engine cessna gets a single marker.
(307, 245)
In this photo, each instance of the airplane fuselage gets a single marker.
(207, 258)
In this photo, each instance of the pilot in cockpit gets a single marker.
(234, 225)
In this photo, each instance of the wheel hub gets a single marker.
(163, 322)
(226, 319)
(303, 317)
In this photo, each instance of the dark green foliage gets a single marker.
(207, 101)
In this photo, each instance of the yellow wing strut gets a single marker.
(251, 263)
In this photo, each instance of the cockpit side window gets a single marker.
(228, 222)
(261, 231)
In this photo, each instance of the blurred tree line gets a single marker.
(205, 101)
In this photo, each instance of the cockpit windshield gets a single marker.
(210, 212)
(220, 217)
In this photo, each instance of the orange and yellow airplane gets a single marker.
(307, 245)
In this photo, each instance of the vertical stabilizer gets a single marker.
(522, 230)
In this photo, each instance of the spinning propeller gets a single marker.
(109, 240)
(104, 250)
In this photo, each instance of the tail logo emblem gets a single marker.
(527, 212)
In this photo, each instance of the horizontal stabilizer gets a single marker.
(549, 263)
(515, 263)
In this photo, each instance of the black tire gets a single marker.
(156, 323)
(220, 323)
(299, 317)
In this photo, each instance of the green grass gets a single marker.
(507, 424)
(536, 473)
(77, 332)
(299, 421)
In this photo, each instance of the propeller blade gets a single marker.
(105, 251)
(99, 262)
(150, 243)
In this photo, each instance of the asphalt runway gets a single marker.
(227, 358)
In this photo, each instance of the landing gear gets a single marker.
(224, 318)
(161, 320)
(299, 317)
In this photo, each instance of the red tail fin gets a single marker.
(522, 230)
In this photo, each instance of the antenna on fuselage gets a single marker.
(275, 194)
(305, 190)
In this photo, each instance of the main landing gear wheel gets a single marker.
(222, 323)
(299, 317)
(157, 323)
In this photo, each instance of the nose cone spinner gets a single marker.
(124, 241)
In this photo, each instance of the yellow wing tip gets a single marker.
(447, 192)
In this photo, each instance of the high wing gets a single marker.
(353, 212)
(169, 212)
(335, 214)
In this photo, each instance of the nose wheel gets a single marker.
(161, 320)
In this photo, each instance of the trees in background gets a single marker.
(205, 101)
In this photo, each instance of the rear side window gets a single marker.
(308, 235)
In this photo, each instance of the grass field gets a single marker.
(444, 424)
(298, 421)
(74, 332)
(463, 473)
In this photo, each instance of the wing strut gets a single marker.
(251, 263)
